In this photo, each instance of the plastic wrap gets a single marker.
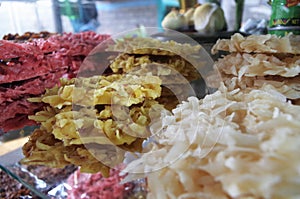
(63, 183)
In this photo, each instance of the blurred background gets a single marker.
(105, 16)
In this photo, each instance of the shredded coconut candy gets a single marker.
(240, 144)
(259, 60)
(259, 44)
(252, 65)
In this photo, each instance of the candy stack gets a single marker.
(259, 61)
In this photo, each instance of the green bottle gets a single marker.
(69, 9)
(285, 17)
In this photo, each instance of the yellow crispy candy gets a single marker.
(82, 126)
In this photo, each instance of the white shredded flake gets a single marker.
(242, 144)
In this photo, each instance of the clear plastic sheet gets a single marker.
(58, 186)
(44, 182)
(41, 181)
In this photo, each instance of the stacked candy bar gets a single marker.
(92, 121)
(260, 61)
